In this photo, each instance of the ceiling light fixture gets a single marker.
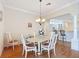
(40, 20)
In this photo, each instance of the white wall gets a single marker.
(17, 21)
(1, 29)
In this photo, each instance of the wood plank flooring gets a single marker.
(63, 50)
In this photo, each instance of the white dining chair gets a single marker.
(10, 41)
(28, 47)
(50, 44)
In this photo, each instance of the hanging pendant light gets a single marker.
(40, 20)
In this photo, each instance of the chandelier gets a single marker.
(40, 20)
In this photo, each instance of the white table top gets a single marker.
(39, 38)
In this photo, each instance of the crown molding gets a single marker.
(22, 10)
(19, 9)
(36, 13)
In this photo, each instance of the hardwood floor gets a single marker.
(62, 51)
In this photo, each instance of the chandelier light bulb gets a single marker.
(38, 20)
(43, 20)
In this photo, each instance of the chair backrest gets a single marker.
(53, 39)
(23, 41)
(52, 36)
(9, 36)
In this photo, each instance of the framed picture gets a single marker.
(0, 15)
(29, 25)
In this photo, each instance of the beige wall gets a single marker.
(68, 26)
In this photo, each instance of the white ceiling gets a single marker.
(33, 6)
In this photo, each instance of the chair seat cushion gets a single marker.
(30, 47)
(13, 41)
(30, 44)
(45, 42)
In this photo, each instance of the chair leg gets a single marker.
(13, 47)
(54, 52)
(25, 54)
(48, 53)
(35, 53)
(41, 50)
(23, 51)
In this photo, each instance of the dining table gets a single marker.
(39, 39)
